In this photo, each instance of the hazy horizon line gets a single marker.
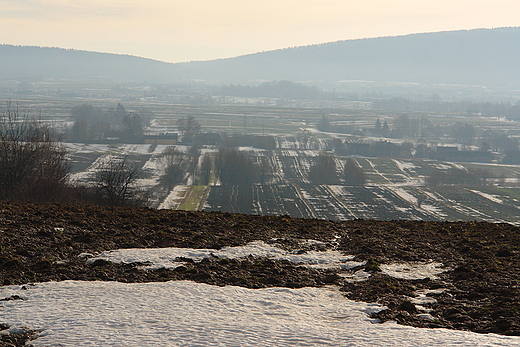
(258, 52)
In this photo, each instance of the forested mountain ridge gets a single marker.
(479, 56)
(31, 62)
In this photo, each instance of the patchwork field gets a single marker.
(395, 189)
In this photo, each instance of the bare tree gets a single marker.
(236, 168)
(175, 167)
(353, 173)
(133, 127)
(189, 127)
(89, 123)
(206, 168)
(116, 182)
(324, 170)
(32, 161)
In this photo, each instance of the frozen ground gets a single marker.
(395, 188)
(184, 313)
(167, 258)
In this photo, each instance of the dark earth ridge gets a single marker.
(480, 293)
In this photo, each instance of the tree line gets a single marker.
(422, 128)
(324, 171)
(460, 177)
(92, 124)
(34, 167)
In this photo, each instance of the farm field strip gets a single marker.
(174, 198)
(193, 199)
(309, 211)
(401, 196)
(470, 211)
(390, 206)
(272, 200)
(332, 191)
(464, 207)
(408, 170)
(461, 203)
(350, 198)
(428, 202)
(376, 171)
(324, 204)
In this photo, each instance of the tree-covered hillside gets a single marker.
(25, 62)
(480, 56)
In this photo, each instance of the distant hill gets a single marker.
(479, 56)
(24, 62)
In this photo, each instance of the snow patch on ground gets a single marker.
(167, 257)
(440, 166)
(184, 313)
(404, 166)
(494, 198)
(413, 271)
(403, 194)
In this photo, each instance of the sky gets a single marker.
(177, 31)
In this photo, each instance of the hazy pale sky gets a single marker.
(175, 30)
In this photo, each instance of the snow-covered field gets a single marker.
(184, 313)
(395, 189)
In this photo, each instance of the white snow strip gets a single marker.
(494, 198)
(183, 313)
(413, 271)
(166, 257)
(442, 166)
(433, 210)
(404, 166)
(403, 194)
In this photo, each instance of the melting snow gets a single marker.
(404, 166)
(168, 258)
(433, 210)
(184, 313)
(494, 198)
(403, 194)
(413, 271)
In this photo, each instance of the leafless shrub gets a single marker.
(33, 165)
(324, 170)
(353, 173)
(175, 164)
(116, 182)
